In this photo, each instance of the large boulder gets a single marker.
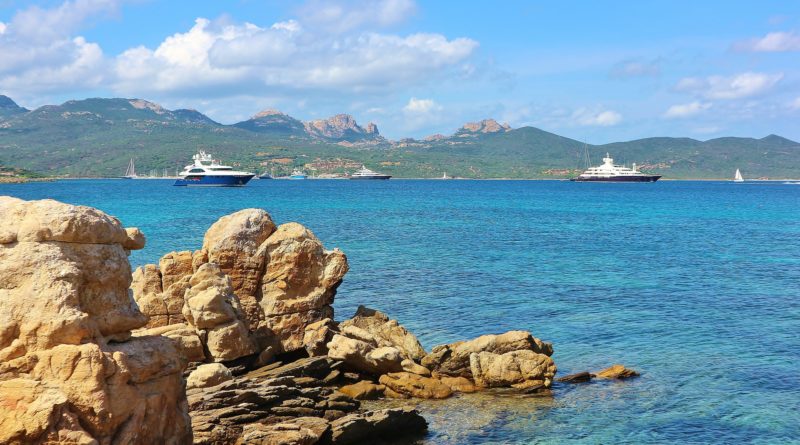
(209, 374)
(68, 362)
(388, 332)
(234, 242)
(454, 359)
(184, 336)
(212, 308)
(363, 354)
(521, 369)
(415, 385)
(299, 284)
(373, 426)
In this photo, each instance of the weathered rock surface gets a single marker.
(363, 390)
(409, 366)
(458, 384)
(212, 308)
(454, 359)
(299, 284)
(362, 354)
(209, 374)
(159, 290)
(185, 338)
(233, 243)
(520, 369)
(296, 431)
(317, 335)
(617, 372)
(69, 370)
(579, 377)
(416, 385)
(387, 332)
(377, 425)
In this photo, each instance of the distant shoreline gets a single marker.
(51, 179)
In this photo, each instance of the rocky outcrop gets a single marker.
(520, 369)
(617, 372)
(386, 332)
(184, 336)
(213, 310)
(414, 385)
(363, 390)
(317, 335)
(454, 359)
(70, 371)
(360, 352)
(299, 283)
(484, 126)
(340, 127)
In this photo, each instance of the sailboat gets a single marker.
(738, 177)
(130, 173)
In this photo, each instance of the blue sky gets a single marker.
(594, 71)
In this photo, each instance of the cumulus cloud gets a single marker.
(343, 16)
(599, 118)
(734, 87)
(772, 42)
(686, 110)
(286, 55)
(421, 106)
(40, 53)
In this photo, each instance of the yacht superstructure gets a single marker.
(608, 172)
(207, 171)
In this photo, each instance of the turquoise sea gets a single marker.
(694, 284)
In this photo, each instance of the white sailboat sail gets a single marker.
(130, 173)
(738, 177)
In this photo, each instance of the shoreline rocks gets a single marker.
(92, 352)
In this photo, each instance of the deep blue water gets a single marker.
(695, 284)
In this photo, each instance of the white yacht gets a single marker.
(365, 173)
(298, 174)
(207, 171)
(738, 176)
(608, 172)
(130, 173)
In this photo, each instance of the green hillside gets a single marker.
(97, 137)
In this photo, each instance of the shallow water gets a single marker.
(695, 284)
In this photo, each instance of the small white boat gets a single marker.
(298, 174)
(738, 176)
(130, 173)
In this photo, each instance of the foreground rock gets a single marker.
(580, 377)
(386, 332)
(359, 351)
(70, 372)
(210, 374)
(522, 369)
(454, 359)
(413, 385)
(384, 424)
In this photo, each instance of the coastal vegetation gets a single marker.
(97, 138)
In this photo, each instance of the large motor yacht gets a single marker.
(365, 173)
(608, 172)
(207, 171)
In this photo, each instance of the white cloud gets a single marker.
(795, 105)
(686, 110)
(734, 87)
(421, 106)
(41, 54)
(600, 118)
(772, 42)
(343, 16)
(232, 57)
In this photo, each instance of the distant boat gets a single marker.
(444, 176)
(130, 173)
(298, 174)
(265, 175)
(608, 172)
(208, 172)
(365, 173)
(738, 177)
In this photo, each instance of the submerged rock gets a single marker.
(579, 377)
(617, 372)
(363, 390)
(70, 372)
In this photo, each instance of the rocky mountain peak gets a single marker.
(268, 112)
(141, 104)
(340, 126)
(485, 126)
(6, 103)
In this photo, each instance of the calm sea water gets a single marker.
(695, 284)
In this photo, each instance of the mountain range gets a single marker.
(98, 136)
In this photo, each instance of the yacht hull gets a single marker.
(641, 178)
(373, 177)
(213, 181)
